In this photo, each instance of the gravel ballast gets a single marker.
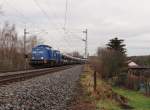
(47, 92)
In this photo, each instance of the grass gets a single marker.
(100, 99)
(100, 96)
(107, 104)
(136, 99)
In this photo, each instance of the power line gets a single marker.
(20, 13)
(66, 10)
(46, 15)
(76, 36)
(66, 40)
(74, 45)
(43, 11)
(25, 19)
(65, 21)
(49, 7)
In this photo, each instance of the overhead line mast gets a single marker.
(25, 52)
(85, 31)
(86, 43)
(65, 24)
(66, 9)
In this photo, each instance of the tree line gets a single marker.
(110, 61)
(12, 48)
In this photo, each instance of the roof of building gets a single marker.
(133, 64)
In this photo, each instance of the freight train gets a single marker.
(44, 55)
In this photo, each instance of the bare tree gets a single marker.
(8, 44)
(12, 49)
(110, 63)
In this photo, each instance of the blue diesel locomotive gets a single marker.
(44, 55)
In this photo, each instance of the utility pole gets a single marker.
(95, 81)
(25, 54)
(86, 43)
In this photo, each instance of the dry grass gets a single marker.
(103, 96)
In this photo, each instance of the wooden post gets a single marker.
(95, 82)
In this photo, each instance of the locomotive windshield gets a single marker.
(40, 53)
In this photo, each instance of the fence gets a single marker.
(139, 79)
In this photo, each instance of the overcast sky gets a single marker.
(104, 19)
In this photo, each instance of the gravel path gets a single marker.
(48, 92)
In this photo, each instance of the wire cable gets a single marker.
(43, 11)
(66, 10)
(20, 13)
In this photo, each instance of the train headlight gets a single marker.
(42, 58)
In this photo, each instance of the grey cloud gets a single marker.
(105, 19)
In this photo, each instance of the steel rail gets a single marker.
(24, 75)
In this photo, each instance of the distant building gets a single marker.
(132, 64)
(138, 77)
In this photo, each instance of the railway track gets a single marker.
(10, 77)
